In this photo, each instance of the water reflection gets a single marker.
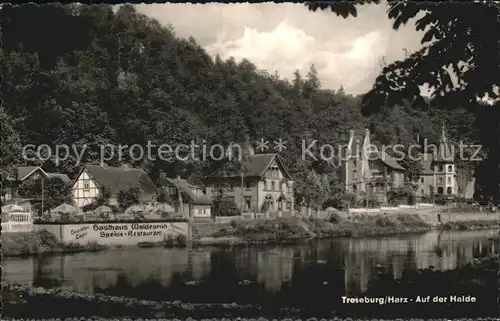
(316, 271)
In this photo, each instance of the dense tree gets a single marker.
(128, 197)
(11, 148)
(124, 80)
(225, 206)
(458, 61)
(55, 192)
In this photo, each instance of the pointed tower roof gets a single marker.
(444, 153)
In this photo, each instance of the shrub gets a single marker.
(181, 240)
(442, 200)
(234, 223)
(373, 203)
(348, 200)
(334, 218)
(225, 206)
(171, 241)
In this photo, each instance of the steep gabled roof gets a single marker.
(121, 178)
(256, 166)
(63, 177)
(388, 160)
(24, 172)
(444, 152)
(356, 143)
(188, 189)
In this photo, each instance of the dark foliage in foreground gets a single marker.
(458, 60)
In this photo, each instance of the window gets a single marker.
(247, 185)
(274, 169)
(440, 168)
(354, 187)
(269, 201)
(248, 202)
(448, 190)
(450, 168)
(440, 179)
(440, 190)
(354, 176)
(449, 180)
(272, 186)
(422, 192)
(86, 185)
(421, 179)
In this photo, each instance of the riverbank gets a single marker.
(475, 280)
(279, 230)
(40, 242)
(283, 230)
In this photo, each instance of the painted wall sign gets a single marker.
(117, 233)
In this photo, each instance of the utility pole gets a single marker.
(385, 184)
(42, 193)
(243, 172)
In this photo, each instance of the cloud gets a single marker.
(286, 37)
(286, 49)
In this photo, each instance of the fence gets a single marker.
(18, 222)
(390, 208)
(13, 227)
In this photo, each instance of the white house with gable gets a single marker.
(92, 178)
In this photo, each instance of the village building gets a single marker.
(263, 184)
(191, 200)
(439, 172)
(90, 180)
(25, 173)
(370, 171)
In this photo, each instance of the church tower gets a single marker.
(444, 167)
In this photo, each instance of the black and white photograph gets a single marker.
(319, 160)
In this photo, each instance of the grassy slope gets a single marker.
(288, 229)
(39, 242)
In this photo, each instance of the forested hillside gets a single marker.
(89, 75)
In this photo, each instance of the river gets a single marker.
(317, 271)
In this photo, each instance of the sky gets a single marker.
(286, 37)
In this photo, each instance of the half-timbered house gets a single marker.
(92, 178)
